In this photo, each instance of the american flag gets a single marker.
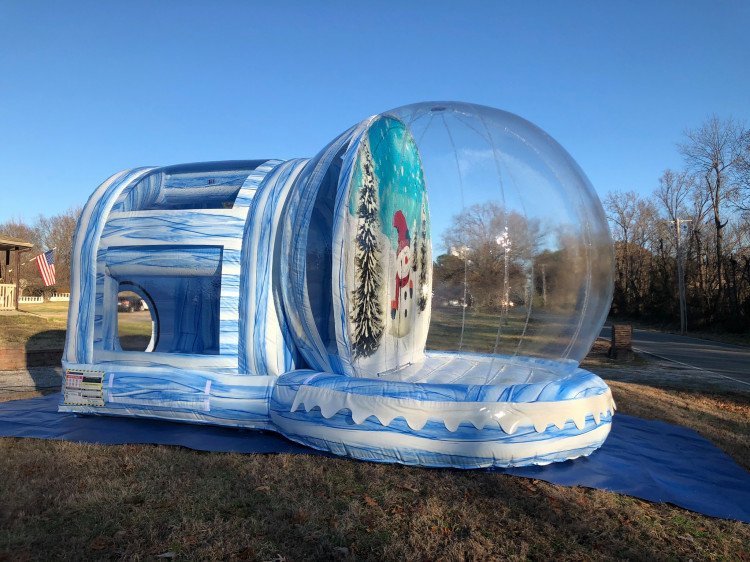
(46, 264)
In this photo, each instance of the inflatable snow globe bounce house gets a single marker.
(420, 292)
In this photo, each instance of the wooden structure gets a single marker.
(622, 342)
(10, 270)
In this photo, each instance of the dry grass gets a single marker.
(134, 330)
(62, 500)
(134, 502)
(32, 332)
(485, 331)
(48, 309)
(42, 326)
(38, 326)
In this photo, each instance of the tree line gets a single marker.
(692, 233)
(46, 233)
(499, 260)
(690, 237)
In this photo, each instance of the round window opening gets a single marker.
(136, 327)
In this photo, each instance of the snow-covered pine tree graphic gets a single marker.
(422, 301)
(367, 315)
(414, 254)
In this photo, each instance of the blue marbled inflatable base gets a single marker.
(449, 425)
(423, 423)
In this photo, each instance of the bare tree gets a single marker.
(57, 232)
(621, 208)
(715, 151)
(634, 222)
(19, 230)
(674, 190)
(494, 247)
(16, 228)
(46, 233)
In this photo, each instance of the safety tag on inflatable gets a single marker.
(83, 388)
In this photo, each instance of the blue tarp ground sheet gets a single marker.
(647, 459)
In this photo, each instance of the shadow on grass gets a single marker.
(45, 349)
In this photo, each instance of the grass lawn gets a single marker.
(42, 326)
(63, 500)
(484, 332)
(134, 330)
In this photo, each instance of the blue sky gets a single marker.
(90, 88)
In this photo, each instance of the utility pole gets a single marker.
(679, 223)
(504, 242)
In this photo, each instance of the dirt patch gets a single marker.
(598, 356)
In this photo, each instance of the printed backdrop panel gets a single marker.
(386, 253)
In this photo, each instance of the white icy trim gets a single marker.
(508, 415)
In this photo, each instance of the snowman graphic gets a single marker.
(401, 304)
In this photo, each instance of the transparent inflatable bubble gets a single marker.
(451, 239)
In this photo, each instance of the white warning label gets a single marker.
(83, 388)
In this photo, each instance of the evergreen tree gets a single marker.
(414, 253)
(367, 314)
(422, 302)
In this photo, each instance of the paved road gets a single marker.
(731, 361)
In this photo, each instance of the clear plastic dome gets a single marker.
(448, 227)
